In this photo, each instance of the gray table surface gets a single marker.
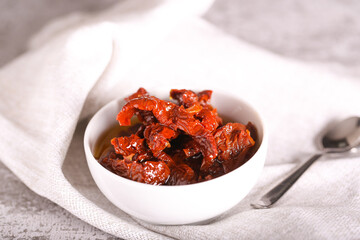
(322, 32)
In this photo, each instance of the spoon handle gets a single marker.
(275, 193)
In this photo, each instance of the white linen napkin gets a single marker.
(76, 65)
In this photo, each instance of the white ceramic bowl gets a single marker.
(184, 204)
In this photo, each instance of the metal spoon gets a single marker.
(343, 137)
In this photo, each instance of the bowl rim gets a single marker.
(263, 144)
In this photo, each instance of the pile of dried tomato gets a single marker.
(178, 142)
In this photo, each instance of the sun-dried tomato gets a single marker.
(180, 142)
(204, 97)
(214, 171)
(174, 117)
(132, 147)
(158, 136)
(188, 98)
(162, 110)
(151, 172)
(233, 141)
(141, 92)
(128, 145)
(191, 148)
(198, 105)
(144, 116)
(184, 97)
(208, 119)
(181, 174)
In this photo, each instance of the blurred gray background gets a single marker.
(325, 33)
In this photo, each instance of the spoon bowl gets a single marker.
(342, 136)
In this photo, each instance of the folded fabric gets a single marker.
(75, 66)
